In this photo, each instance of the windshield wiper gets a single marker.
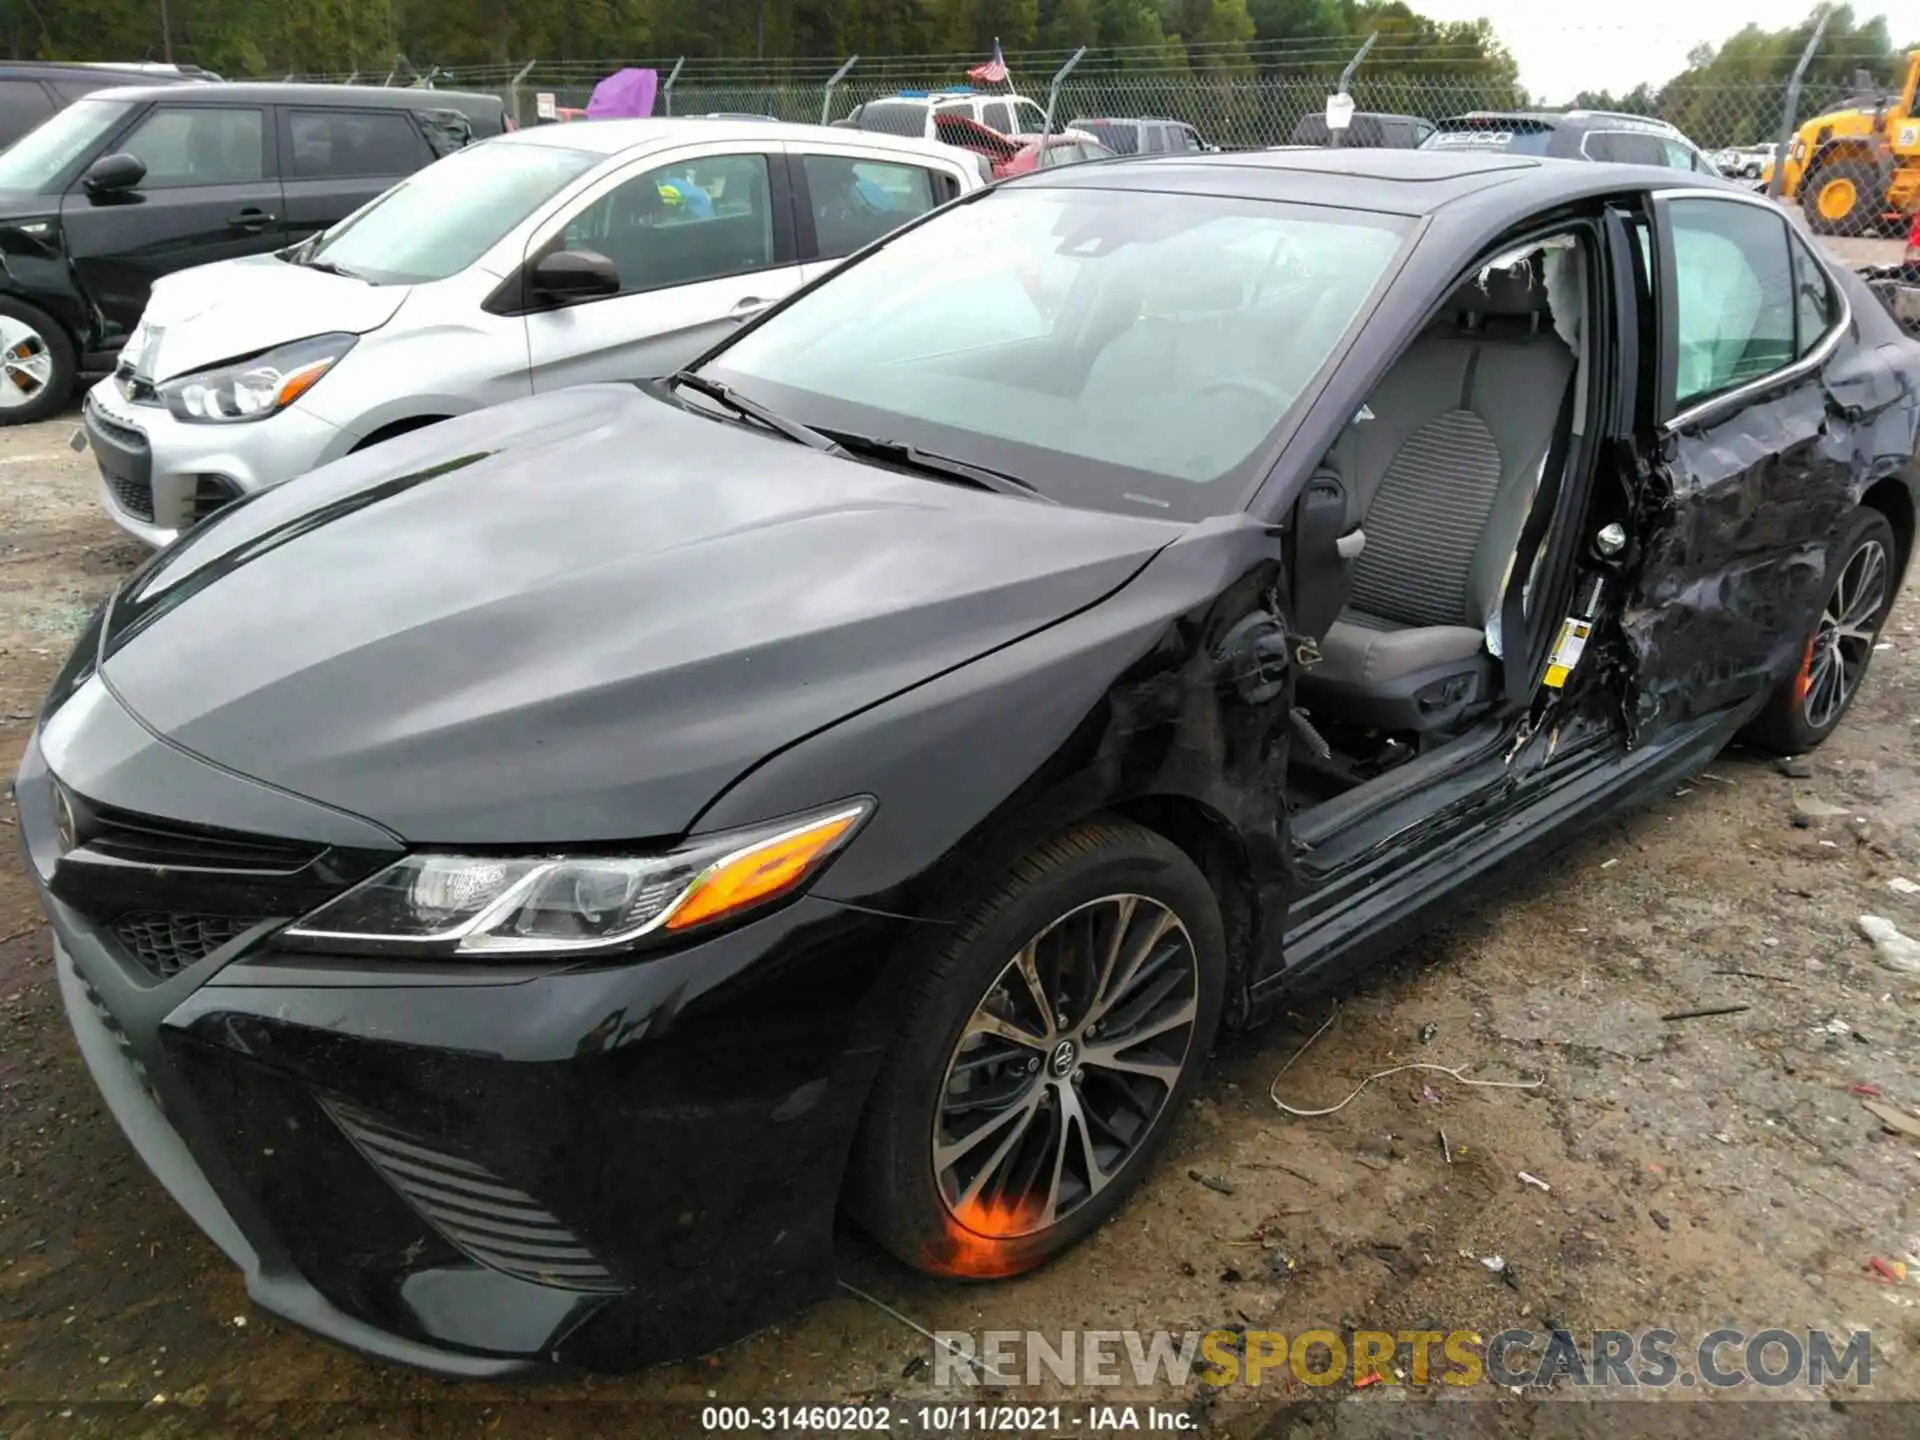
(911, 457)
(329, 268)
(752, 410)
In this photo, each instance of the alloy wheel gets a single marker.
(1065, 1066)
(26, 364)
(1841, 646)
(1837, 198)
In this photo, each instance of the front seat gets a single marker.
(1445, 460)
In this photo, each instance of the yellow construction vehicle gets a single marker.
(1857, 169)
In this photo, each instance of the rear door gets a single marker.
(333, 161)
(702, 239)
(1757, 461)
(211, 192)
(846, 196)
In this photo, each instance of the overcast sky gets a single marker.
(1564, 46)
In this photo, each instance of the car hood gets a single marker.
(241, 307)
(578, 617)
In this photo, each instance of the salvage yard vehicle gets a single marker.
(1602, 135)
(512, 885)
(912, 112)
(31, 91)
(128, 185)
(530, 262)
(1858, 167)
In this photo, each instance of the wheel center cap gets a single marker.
(1065, 1056)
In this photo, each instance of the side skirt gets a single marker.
(1367, 916)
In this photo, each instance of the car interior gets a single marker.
(1440, 470)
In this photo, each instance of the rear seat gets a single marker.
(1444, 462)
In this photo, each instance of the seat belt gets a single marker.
(1515, 643)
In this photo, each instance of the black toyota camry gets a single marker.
(515, 885)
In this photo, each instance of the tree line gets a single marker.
(273, 37)
(1734, 93)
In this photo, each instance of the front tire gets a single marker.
(1808, 706)
(1844, 198)
(37, 364)
(1044, 1057)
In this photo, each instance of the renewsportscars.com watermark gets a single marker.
(1601, 1359)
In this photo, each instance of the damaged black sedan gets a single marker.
(516, 885)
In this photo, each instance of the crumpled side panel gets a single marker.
(1735, 528)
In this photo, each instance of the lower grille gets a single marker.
(131, 495)
(477, 1213)
(211, 493)
(163, 945)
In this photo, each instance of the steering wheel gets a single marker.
(1259, 389)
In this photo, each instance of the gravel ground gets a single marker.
(1703, 1172)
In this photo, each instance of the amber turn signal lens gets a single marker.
(299, 382)
(761, 871)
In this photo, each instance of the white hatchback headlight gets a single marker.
(254, 388)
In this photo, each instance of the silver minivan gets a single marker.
(612, 249)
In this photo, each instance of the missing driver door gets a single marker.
(701, 242)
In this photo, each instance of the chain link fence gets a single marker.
(1857, 177)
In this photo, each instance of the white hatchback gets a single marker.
(619, 249)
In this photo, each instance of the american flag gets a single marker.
(994, 72)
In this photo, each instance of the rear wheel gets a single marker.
(1040, 1067)
(37, 367)
(1843, 198)
(1808, 706)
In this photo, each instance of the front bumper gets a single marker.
(481, 1171)
(159, 476)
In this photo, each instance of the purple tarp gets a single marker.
(625, 94)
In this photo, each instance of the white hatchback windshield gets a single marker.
(445, 217)
(1113, 349)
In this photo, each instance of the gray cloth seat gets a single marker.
(1443, 465)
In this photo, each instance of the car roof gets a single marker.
(1397, 182)
(78, 69)
(615, 137)
(1569, 119)
(267, 92)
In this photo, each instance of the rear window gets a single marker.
(891, 117)
(1515, 137)
(1120, 136)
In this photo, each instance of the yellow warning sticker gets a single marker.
(1568, 647)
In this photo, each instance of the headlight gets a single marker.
(254, 388)
(494, 906)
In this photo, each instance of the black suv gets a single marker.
(31, 91)
(1143, 135)
(126, 185)
(1369, 130)
(1573, 135)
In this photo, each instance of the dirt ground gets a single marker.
(1703, 1172)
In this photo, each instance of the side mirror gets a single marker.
(575, 275)
(119, 171)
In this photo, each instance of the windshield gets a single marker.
(1114, 349)
(41, 156)
(445, 217)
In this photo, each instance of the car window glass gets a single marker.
(338, 143)
(1124, 139)
(1734, 296)
(441, 219)
(997, 116)
(1160, 313)
(37, 159)
(1514, 137)
(855, 202)
(683, 222)
(1188, 138)
(1155, 138)
(1679, 155)
(1624, 147)
(1813, 298)
(894, 117)
(23, 105)
(203, 146)
(1029, 118)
